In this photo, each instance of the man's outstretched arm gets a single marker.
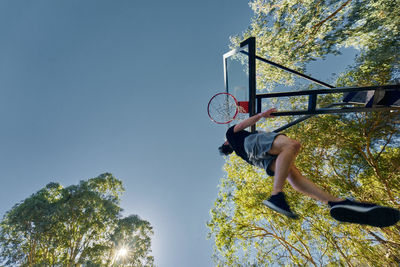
(253, 120)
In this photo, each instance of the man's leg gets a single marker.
(341, 210)
(287, 150)
(307, 187)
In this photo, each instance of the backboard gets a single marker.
(239, 75)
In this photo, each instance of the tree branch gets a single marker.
(318, 25)
(383, 241)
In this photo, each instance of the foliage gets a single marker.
(353, 155)
(292, 33)
(79, 224)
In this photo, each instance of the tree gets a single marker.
(293, 33)
(353, 155)
(132, 237)
(79, 224)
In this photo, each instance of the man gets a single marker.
(276, 153)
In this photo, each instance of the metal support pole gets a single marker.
(258, 101)
(312, 102)
(313, 94)
(251, 44)
(291, 71)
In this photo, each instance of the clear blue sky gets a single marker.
(95, 86)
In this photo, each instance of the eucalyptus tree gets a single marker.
(78, 224)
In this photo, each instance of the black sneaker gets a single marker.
(364, 213)
(278, 203)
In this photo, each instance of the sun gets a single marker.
(122, 252)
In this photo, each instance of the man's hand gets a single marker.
(267, 113)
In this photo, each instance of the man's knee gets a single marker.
(282, 143)
(297, 145)
(294, 145)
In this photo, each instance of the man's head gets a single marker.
(225, 149)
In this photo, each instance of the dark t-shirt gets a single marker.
(236, 140)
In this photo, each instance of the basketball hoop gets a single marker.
(224, 108)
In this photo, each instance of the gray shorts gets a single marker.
(257, 147)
